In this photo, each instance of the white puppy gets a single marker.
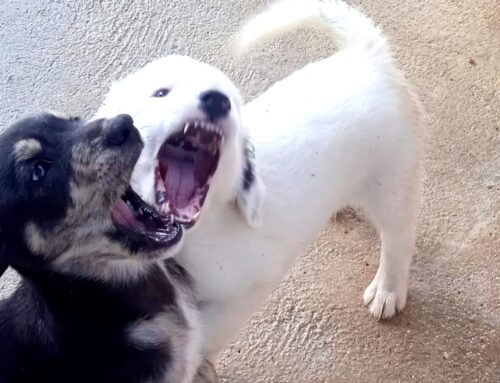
(341, 131)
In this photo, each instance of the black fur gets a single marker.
(248, 170)
(65, 327)
(62, 329)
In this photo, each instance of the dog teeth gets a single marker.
(204, 125)
(165, 208)
(196, 215)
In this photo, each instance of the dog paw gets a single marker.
(382, 301)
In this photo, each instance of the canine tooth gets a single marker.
(164, 207)
(186, 127)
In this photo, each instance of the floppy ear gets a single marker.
(249, 203)
(252, 191)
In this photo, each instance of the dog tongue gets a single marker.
(124, 216)
(180, 182)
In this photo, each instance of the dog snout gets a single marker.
(119, 130)
(215, 104)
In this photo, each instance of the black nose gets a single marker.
(215, 104)
(119, 129)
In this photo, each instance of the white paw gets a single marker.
(383, 298)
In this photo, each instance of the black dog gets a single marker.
(96, 302)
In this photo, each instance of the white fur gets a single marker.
(341, 131)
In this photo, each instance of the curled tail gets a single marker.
(352, 29)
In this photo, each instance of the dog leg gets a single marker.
(394, 212)
(206, 373)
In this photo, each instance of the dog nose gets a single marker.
(215, 104)
(119, 129)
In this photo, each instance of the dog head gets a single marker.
(65, 200)
(189, 115)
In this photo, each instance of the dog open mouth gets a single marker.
(143, 223)
(186, 163)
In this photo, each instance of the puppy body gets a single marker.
(96, 302)
(342, 131)
(58, 328)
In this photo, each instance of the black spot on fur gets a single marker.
(248, 170)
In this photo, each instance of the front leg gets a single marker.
(392, 204)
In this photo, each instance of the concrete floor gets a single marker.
(63, 54)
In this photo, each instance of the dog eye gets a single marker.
(40, 169)
(162, 92)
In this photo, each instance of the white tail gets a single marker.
(352, 29)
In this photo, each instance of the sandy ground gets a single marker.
(63, 55)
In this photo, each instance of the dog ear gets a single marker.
(251, 194)
(249, 203)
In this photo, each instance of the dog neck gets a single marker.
(85, 303)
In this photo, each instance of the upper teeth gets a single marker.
(203, 125)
